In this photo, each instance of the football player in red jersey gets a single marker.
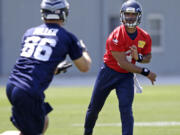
(125, 46)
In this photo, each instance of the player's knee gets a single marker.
(93, 111)
(126, 110)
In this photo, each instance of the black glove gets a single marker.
(62, 67)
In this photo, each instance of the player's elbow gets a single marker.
(147, 58)
(125, 65)
(83, 65)
(84, 69)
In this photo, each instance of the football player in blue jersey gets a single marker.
(43, 48)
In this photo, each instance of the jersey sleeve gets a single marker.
(115, 42)
(147, 47)
(75, 50)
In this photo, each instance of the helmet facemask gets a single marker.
(130, 19)
(131, 13)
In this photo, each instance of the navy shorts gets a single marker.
(28, 113)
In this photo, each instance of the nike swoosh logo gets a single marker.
(115, 41)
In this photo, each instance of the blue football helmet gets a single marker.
(131, 7)
(54, 9)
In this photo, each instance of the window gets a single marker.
(114, 22)
(155, 29)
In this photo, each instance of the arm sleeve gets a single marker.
(75, 50)
(147, 48)
(115, 43)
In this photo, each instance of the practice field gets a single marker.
(156, 111)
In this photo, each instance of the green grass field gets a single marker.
(155, 104)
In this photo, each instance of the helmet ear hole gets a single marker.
(63, 14)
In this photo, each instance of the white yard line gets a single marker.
(10, 132)
(138, 124)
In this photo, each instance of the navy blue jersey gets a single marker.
(43, 48)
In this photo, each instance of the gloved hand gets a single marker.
(62, 67)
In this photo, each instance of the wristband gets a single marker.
(140, 58)
(145, 71)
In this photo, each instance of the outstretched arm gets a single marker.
(125, 64)
(84, 62)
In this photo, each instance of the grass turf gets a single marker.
(156, 103)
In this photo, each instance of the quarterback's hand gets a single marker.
(152, 77)
(62, 67)
(134, 52)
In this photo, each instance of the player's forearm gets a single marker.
(87, 57)
(83, 63)
(124, 63)
(130, 67)
(146, 58)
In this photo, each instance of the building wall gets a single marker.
(166, 61)
(17, 16)
(84, 21)
(0, 40)
(90, 21)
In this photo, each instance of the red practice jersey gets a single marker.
(119, 40)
